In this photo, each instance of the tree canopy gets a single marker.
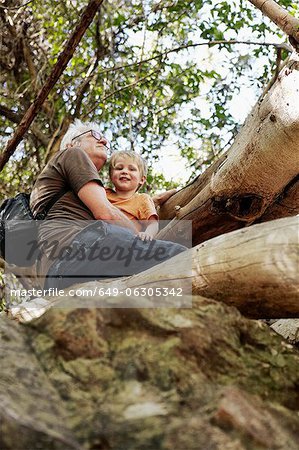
(153, 73)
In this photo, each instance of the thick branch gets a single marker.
(286, 204)
(58, 69)
(285, 21)
(254, 269)
(238, 189)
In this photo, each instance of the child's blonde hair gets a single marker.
(140, 162)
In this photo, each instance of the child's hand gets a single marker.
(145, 236)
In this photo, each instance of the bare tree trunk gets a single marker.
(253, 175)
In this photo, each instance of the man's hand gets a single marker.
(159, 199)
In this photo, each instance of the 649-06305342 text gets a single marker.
(102, 297)
(99, 291)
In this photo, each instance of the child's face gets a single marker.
(126, 175)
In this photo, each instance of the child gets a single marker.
(128, 173)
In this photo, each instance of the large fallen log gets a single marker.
(253, 175)
(254, 269)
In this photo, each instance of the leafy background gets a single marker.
(141, 71)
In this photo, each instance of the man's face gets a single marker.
(95, 147)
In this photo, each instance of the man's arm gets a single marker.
(159, 199)
(94, 197)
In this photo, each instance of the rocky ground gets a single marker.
(147, 379)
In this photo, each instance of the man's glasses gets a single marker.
(97, 135)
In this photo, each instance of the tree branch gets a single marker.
(54, 143)
(16, 118)
(270, 134)
(283, 46)
(15, 7)
(140, 80)
(278, 69)
(63, 59)
(285, 21)
(83, 88)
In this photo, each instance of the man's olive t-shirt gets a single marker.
(71, 168)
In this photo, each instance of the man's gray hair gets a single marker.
(76, 128)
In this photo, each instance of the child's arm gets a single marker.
(151, 230)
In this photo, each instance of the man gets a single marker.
(73, 250)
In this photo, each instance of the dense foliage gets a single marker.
(141, 70)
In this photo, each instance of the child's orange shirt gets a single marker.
(139, 207)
